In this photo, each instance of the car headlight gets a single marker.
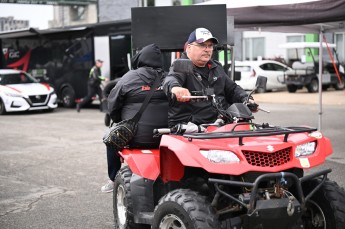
(305, 149)
(220, 156)
(10, 94)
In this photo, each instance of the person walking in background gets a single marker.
(93, 85)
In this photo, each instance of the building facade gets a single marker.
(9, 24)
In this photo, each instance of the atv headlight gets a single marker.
(305, 149)
(220, 156)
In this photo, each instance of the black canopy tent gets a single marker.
(304, 16)
(286, 15)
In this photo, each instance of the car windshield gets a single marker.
(16, 78)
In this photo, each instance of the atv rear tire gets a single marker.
(184, 209)
(122, 201)
(326, 208)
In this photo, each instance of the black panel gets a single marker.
(120, 46)
(169, 27)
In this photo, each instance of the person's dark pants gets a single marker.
(114, 163)
(91, 91)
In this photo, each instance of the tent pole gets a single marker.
(320, 78)
(232, 62)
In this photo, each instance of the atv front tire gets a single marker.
(184, 209)
(326, 208)
(122, 201)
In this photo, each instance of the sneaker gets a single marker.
(108, 187)
(78, 107)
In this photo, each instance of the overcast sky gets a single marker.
(38, 15)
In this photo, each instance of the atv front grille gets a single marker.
(268, 159)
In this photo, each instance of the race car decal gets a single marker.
(14, 89)
(46, 85)
(24, 61)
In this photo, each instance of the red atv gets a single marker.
(235, 174)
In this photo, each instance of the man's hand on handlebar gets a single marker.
(179, 93)
(253, 107)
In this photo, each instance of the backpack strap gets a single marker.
(148, 97)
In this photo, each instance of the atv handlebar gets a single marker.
(196, 97)
(162, 131)
(180, 129)
(260, 109)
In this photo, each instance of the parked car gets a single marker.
(250, 70)
(21, 92)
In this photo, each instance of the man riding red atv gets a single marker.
(230, 174)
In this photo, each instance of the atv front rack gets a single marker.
(257, 131)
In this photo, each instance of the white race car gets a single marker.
(21, 92)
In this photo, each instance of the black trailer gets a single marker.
(63, 57)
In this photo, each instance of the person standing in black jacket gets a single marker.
(93, 85)
(126, 98)
(207, 75)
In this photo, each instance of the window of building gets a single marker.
(77, 13)
(254, 48)
(294, 54)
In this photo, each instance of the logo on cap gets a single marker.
(201, 35)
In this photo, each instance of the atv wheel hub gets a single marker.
(121, 207)
(171, 222)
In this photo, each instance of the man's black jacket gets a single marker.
(226, 91)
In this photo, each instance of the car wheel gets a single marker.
(122, 201)
(326, 208)
(313, 86)
(68, 97)
(261, 90)
(291, 88)
(340, 86)
(184, 208)
(2, 107)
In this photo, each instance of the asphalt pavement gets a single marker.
(329, 97)
(53, 164)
